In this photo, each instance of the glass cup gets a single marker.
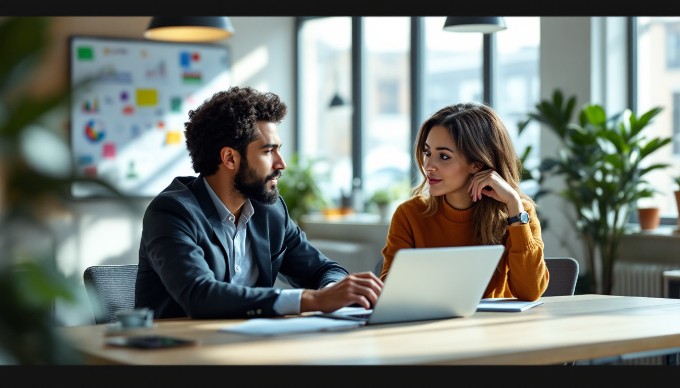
(139, 317)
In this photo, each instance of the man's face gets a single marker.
(258, 173)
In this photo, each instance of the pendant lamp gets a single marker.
(189, 28)
(484, 24)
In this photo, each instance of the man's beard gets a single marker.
(246, 181)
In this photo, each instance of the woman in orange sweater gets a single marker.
(470, 196)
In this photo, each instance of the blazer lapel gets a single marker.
(259, 246)
(208, 208)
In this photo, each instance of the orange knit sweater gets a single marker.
(521, 272)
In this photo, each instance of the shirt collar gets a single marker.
(222, 210)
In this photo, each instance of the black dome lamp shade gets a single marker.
(189, 28)
(336, 101)
(483, 24)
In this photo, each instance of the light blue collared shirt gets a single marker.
(242, 267)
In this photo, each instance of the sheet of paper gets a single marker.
(506, 304)
(280, 326)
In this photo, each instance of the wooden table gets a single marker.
(563, 329)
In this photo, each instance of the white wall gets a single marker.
(565, 64)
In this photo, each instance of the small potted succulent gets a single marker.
(382, 198)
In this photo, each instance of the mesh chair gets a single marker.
(110, 288)
(563, 276)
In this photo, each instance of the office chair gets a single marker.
(110, 288)
(378, 267)
(563, 276)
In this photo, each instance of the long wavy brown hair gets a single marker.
(480, 135)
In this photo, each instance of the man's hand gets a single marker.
(362, 288)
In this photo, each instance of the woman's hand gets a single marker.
(489, 183)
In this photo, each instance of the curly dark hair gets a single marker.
(227, 119)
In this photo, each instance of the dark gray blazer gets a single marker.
(183, 267)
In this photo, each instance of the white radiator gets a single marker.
(640, 279)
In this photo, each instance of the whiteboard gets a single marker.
(130, 102)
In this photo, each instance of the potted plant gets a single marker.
(677, 201)
(35, 175)
(299, 188)
(382, 198)
(602, 164)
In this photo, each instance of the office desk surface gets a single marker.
(563, 329)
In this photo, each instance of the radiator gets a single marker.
(639, 278)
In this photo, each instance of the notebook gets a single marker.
(512, 305)
(430, 283)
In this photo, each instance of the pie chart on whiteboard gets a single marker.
(94, 131)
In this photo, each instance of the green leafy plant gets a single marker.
(36, 173)
(677, 182)
(602, 164)
(299, 188)
(382, 197)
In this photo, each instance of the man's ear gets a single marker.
(230, 158)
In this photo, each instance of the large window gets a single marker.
(369, 63)
(658, 84)
(325, 134)
(452, 67)
(386, 144)
(517, 86)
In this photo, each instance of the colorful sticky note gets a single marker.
(184, 59)
(85, 53)
(84, 160)
(147, 97)
(191, 76)
(90, 170)
(109, 150)
(173, 137)
(176, 104)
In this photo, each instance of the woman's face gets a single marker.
(447, 169)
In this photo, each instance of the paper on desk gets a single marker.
(280, 326)
(506, 305)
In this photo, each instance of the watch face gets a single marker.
(524, 217)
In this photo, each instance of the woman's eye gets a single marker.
(444, 157)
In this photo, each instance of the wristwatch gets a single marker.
(522, 217)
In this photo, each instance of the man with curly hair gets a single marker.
(213, 245)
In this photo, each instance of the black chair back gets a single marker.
(563, 276)
(110, 288)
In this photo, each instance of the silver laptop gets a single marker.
(430, 283)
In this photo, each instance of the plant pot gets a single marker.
(383, 209)
(649, 218)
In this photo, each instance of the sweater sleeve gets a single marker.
(527, 273)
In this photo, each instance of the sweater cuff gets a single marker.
(520, 235)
